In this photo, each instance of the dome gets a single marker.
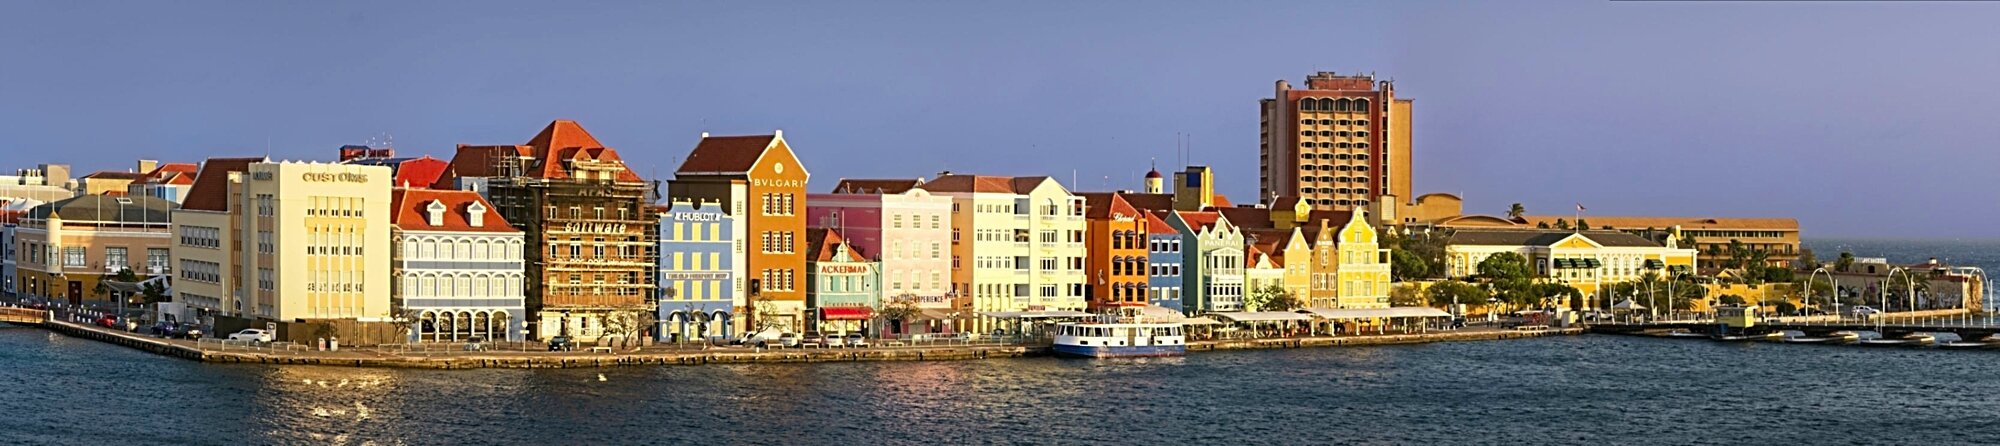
(1154, 174)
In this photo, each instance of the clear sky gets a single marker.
(1860, 119)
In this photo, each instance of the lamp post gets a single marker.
(1910, 293)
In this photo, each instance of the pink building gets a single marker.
(905, 228)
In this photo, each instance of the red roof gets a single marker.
(1199, 220)
(881, 186)
(1105, 205)
(409, 210)
(823, 244)
(211, 187)
(726, 154)
(420, 172)
(549, 156)
(170, 173)
(115, 175)
(1157, 225)
(984, 184)
(1248, 217)
(1151, 202)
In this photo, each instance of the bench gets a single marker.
(599, 349)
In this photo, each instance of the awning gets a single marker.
(1576, 263)
(1262, 316)
(1374, 313)
(936, 315)
(1199, 321)
(1628, 304)
(1655, 264)
(1034, 314)
(846, 313)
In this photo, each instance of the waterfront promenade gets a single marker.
(528, 358)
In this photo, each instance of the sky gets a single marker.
(1858, 118)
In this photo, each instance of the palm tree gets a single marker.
(1515, 211)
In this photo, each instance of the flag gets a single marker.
(1579, 207)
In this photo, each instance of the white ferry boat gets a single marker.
(1115, 337)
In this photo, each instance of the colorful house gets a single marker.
(1587, 260)
(907, 231)
(1163, 263)
(457, 267)
(1362, 273)
(1213, 260)
(1017, 244)
(1262, 270)
(842, 288)
(764, 186)
(700, 271)
(1116, 252)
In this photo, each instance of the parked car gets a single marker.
(110, 322)
(562, 344)
(189, 331)
(788, 340)
(836, 341)
(164, 330)
(251, 335)
(813, 339)
(1863, 310)
(856, 340)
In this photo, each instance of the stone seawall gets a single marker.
(541, 360)
(1419, 338)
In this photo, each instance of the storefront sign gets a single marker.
(331, 177)
(843, 269)
(696, 216)
(599, 228)
(762, 182)
(694, 276)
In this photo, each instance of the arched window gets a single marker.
(1361, 105)
(1341, 105)
(1308, 104)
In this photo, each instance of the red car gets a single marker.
(108, 322)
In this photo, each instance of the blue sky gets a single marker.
(1860, 119)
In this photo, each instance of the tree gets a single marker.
(1781, 306)
(1407, 265)
(1542, 225)
(1846, 260)
(1443, 294)
(403, 318)
(1272, 298)
(1730, 299)
(153, 292)
(1562, 224)
(1406, 295)
(1808, 261)
(1582, 225)
(900, 310)
(1515, 211)
(1505, 265)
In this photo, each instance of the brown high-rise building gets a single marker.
(1342, 143)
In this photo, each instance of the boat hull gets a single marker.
(1140, 351)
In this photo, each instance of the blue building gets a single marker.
(1163, 263)
(700, 280)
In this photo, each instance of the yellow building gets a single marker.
(286, 241)
(1587, 260)
(1017, 244)
(1262, 270)
(68, 247)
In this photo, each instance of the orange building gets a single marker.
(1115, 254)
(764, 185)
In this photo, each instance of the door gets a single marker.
(75, 292)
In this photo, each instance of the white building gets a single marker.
(458, 267)
(284, 241)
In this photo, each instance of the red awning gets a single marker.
(846, 313)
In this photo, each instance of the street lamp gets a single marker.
(1805, 296)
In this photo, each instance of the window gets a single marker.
(156, 259)
(72, 256)
(116, 258)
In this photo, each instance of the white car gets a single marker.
(1863, 310)
(251, 335)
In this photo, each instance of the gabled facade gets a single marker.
(765, 187)
(1587, 260)
(1261, 270)
(700, 267)
(1018, 244)
(1363, 270)
(1116, 252)
(457, 267)
(1213, 261)
(843, 289)
(169, 181)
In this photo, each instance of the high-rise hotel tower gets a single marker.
(1341, 143)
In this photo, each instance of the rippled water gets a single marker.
(1570, 390)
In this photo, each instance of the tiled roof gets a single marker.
(1156, 224)
(211, 187)
(1248, 217)
(169, 172)
(875, 186)
(1286, 202)
(1105, 205)
(549, 156)
(726, 154)
(821, 244)
(1151, 202)
(1791, 224)
(1200, 219)
(410, 211)
(420, 172)
(983, 184)
(1543, 237)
